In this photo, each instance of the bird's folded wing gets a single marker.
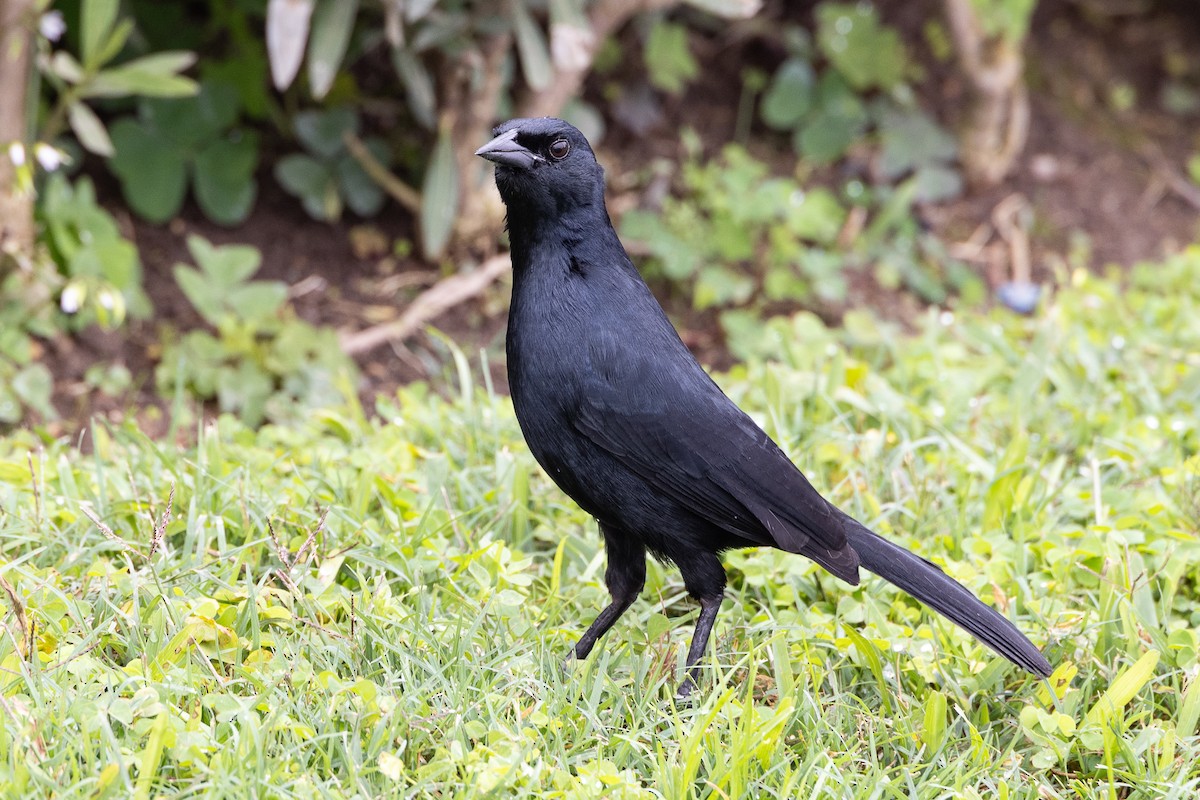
(705, 453)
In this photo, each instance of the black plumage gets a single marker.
(626, 422)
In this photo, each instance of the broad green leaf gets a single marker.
(204, 295)
(308, 179)
(192, 122)
(531, 45)
(33, 385)
(419, 90)
(287, 34)
(223, 177)
(227, 265)
(151, 76)
(790, 95)
(257, 299)
(668, 57)
(1189, 709)
(152, 173)
(332, 24)
(96, 20)
(938, 183)
(911, 139)
(933, 727)
(322, 131)
(247, 74)
(362, 194)
(868, 54)
(720, 286)
(1123, 689)
(89, 129)
(815, 215)
(64, 65)
(115, 42)
(439, 198)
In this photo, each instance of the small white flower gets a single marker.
(946, 318)
(106, 299)
(16, 154)
(1152, 423)
(51, 158)
(71, 299)
(52, 26)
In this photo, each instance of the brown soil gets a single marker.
(1093, 175)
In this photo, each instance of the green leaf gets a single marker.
(361, 193)
(89, 129)
(96, 20)
(33, 385)
(838, 120)
(257, 300)
(224, 179)
(911, 139)
(938, 183)
(204, 295)
(721, 286)
(439, 198)
(192, 122)
(933, 727)
(816, 216)
(531, 46)
(115, 42)
(151, 76)
(790, 95)
(668, 58)
(867, 53)
(321, 132)
(419, 90)
(332, 24)
(308, 179)
(1123, 688)
(246, 73)
(152, 173)
(225, 266)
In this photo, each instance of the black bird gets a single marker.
(619, 413)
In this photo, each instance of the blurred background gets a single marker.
(259, 206)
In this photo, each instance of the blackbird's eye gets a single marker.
(559, 149)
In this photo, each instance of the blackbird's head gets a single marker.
(544, 165)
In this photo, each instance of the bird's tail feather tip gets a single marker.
(933, 587)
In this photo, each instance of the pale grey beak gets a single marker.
(505, 150)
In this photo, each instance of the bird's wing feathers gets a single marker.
(678, 432)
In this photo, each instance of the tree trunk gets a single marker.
(996, 124)
(16, 53)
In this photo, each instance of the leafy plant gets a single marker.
(860, 88)
(735, 237)
(171, 143)
(101, 268)
(669, 61)
(263, 362)
(328, 177)
(103, 37)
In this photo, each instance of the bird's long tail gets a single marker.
(925, 581)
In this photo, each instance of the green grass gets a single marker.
(415, 648)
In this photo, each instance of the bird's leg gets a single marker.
(625, 576)
(704, 577)
(709, 606)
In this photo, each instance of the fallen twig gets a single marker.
(443, 295)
